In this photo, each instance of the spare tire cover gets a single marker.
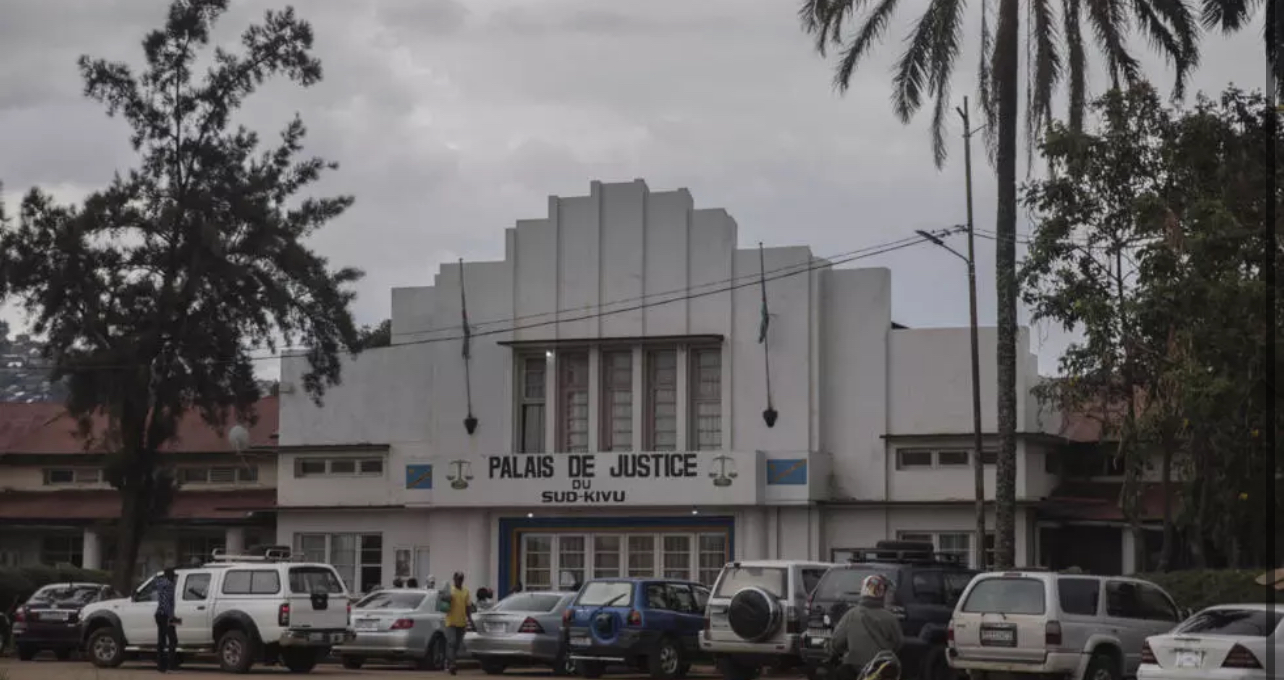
(754, 614)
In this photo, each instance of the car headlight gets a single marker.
(826, 620)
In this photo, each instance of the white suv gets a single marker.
(1043, 624)
(243, 609)
(756, 615)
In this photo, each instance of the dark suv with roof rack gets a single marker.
(925, 586)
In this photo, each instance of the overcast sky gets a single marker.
(451, 119)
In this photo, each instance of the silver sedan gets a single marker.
(523, 629)
(401, 624)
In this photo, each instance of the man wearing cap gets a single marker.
(865, 630)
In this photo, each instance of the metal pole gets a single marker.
(978, 458)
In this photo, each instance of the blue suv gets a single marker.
(649, 624)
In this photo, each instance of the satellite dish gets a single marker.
(239, 438)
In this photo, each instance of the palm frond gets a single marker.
(1076, 62)
(940, 150)
(825, 20)
(1047, 69)
(1229, 15)
(1171, 29)
(985, 84)
(870, 32)
(1110, 25)
(945, 51)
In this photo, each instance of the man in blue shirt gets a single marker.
(166, 633)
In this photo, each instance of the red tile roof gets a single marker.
(85, 505)
(48, 429)
(1099, 502)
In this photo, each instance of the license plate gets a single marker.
(316, 637)
(53, 616)
(1189, 659)
(495, 627)
(580, 640)
(816, 641)
(998, 637)
(367, 625)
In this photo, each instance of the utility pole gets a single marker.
(978, 458)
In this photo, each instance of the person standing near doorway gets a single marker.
(166, 631)
(457, 620)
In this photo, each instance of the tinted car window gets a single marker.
(841, 583)
(955, 583)
(657, 597)
(251, 582)
(928, 587)
(606, 593)
(1123, 600)
(1079, 596)
(1155, 605)
(66, 594)
(308, 580)
(528, 602)
(701, 596)
(682, 599)
(1022, 596)
(1232, 622)
(146, 592)
(196, 587)
(810, 579)
(736, 579)
(392, 599)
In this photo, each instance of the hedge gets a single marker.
(1197, 589)
(17, 584)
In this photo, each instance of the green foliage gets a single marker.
(18, 583)
(1198, 588)
(153, 292)
(376, 336)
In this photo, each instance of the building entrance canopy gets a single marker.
(639, 478)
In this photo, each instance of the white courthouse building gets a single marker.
(618, 388)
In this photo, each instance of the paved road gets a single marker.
(48, 669)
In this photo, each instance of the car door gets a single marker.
(138, 615)
(1124, 613)
(688, 614)
(192, 607)
(927, 604)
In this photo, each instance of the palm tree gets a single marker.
(1057, 50)
(1231, 16)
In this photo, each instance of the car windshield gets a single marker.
(1232, 622)
(71, 594)
(735, 579)
(1022, 596)
(529, 602)
(308, 580)
(844, 583)
(606, 593)
(392, 599)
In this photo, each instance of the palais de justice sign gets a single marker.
(588, 479)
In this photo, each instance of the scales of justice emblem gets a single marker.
(463, 473)
(722, 477)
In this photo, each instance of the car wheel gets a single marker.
(491, 666)
(234, 652)
(730, 669)
(299, 660)
(352, 663)
(590, 669)
(936, 666)
(665, 660)
(27, 652)
(1102, 667)
(435, 656)
(106, 648)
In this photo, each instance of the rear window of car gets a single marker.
(1007, 596)
(1232, 622)
(529, 602)
(611, 593)
(65, 594)
(736, 579)
(843, 583)
(308, 580)
(251, 582)
(391, 599)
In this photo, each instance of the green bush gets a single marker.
(1197, 589)
(17, 584)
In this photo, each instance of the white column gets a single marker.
(1129, 551)
(752, 543)
(91, 550)
(234, 541)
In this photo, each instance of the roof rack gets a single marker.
(271, 553)
(903, 552)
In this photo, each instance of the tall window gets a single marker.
(573, 390)
(706, 399)
(617, 401)
(662, 400)
(550, 561)
(197, 550)
(357, 557)
(530, 416)
(58, 550)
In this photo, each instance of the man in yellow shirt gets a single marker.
(457, 620)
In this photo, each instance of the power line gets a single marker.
(815, 264)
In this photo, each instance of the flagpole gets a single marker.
(769, 415)
(470, 421)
